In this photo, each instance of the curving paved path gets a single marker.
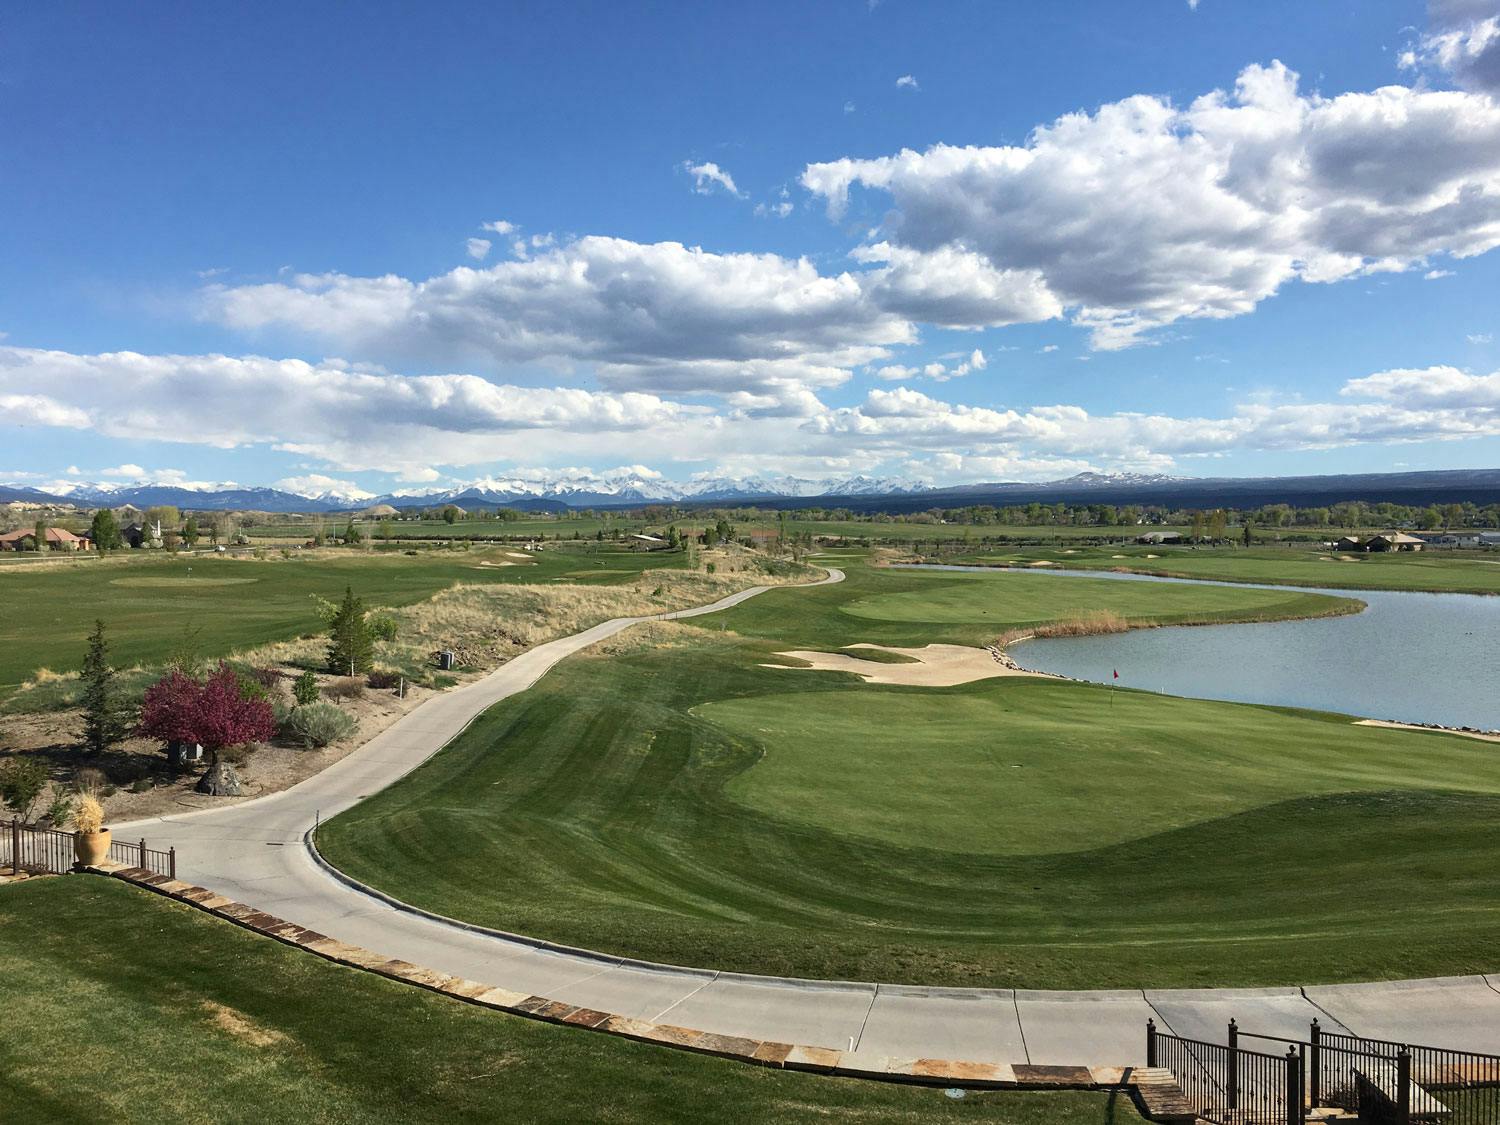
(260, 853)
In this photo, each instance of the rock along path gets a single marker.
(260, 853)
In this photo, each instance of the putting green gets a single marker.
(1019, 598)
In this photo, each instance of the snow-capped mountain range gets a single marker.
(577, 490)
(633, 487)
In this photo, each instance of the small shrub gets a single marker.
(140, 785)
(347, 687)
(318, 724)
(267, 677)
(22, 781)
(305, 688)
(236, 755)
(252, 688)
(383, 628)
(61, 807)
(89, 815)
(383, 679)
(88, 780)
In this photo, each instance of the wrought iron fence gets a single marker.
(49, 851)
(1461, 1087)
(1386, 1081)
(1226, 1083)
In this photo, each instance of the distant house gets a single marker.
(58, 539)
(638, 542)
(1394, 541)
(1157, 538)
(133, 535)
(1350, 543)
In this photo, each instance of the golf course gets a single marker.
(218, 604)
(693, 794)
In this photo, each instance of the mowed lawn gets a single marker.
(120, 1006)
(153, 606)
(687, 804)
(1438, 571)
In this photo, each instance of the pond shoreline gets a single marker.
(1353, 670)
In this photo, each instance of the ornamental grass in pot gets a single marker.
(90, 837)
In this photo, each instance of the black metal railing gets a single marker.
(139, 855)
(1386, 1081)
(49, 851)
(1225, 1083)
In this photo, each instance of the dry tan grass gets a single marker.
(242, 1027)
(653, 635)
(1092, 624)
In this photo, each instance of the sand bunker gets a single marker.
(933, 666)
(1042, 562)
(486, 565)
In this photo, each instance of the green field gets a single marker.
(1459, 572)
(687, 804)
(152, 603)
(120, 1006)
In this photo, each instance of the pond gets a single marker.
(1409, 657)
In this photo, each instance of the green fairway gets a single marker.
(1459, 572)
(1026, 766)
(122, 1007)
(686, 804)
(151, 604)
(1033, 599)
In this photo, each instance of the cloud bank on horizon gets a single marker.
(1127, 223)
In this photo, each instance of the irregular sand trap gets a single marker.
(1042, 562)
(1153, 556)
(1117, 556)
(937, 665)
(1434, 730)
(483, 565)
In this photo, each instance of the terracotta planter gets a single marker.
(90, 848)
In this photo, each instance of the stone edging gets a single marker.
(784, 1056)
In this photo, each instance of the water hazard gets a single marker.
(1409, 657)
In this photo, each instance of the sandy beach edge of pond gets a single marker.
(1482, 736)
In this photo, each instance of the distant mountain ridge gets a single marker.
(862, 493)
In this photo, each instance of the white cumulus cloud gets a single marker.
(1144, 213)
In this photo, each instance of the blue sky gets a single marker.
(1294, 276)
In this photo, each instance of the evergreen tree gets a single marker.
(40, 533)
(190, 531)
(105, 531)
(351, 647)
(103, 721)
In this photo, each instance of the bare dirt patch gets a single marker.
(931, 665)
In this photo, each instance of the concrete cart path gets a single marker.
(260, 853)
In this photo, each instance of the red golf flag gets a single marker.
(1117, 673)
